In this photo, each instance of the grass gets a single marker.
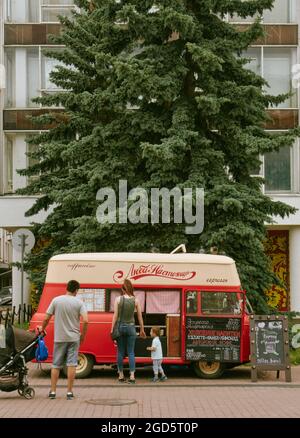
(24, 325)
(295, 356)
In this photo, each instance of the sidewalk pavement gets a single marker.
(182, 396)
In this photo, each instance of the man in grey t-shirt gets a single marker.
(67, 337)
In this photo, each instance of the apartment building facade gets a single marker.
(24, 27)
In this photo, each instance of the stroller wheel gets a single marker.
(28, 392)
(21, 392)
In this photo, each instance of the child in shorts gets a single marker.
(156, 355)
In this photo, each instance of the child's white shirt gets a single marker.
(157, 354)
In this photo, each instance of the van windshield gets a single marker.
(221, 303)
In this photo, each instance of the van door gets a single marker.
(173, 336)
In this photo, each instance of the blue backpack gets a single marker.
(41, 353)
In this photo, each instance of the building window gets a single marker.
(47, 66)
(283, 11)
(36, 11)
(33, 83)
(275, 65)
(10, 98)
(34, 80)
(51, 9)
(277, 170)
(255, 58)
(31, 161)
(8, 170)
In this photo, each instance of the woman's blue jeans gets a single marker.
(126, 343)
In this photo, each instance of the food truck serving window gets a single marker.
(221, 303)
(94, 299)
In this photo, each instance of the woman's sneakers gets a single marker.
(70, 396)
(163, 378)
(52, 395)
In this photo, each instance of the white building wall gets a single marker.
(295, 268)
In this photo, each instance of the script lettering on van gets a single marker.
(216, 280)
(75, 266)
(152, 270)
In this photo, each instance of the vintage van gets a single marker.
(196, 299)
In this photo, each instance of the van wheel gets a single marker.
(84, 367)
(209, 369)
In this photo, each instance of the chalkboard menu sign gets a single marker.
(269, 344)
(213, 339)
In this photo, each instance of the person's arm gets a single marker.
(153, 346)
(85, 321)
(140, 318)
(49, 312)
(45, 322)
(115, 317)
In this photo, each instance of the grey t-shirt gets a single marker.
(67, 311)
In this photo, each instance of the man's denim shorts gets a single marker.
(65, 353)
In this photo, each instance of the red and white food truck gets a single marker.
(196, 299)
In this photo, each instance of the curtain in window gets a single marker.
(57, 2)
(254, 56)
(9, 166)
(278, 170)
(163, 302)
(33, 15)
(32, 76)
(277, 72)
(48, 66)
(139, 294)
(10, 74)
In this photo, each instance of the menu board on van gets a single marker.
(213, 339)
(269, 344)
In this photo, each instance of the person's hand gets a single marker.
(148, 348)
(143, 334)
(40, 330)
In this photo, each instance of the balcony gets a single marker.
(30, 34)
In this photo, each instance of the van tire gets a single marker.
(208, 369)
(85, 366)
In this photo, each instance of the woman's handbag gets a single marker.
(115, 334)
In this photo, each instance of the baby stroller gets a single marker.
(19, 348)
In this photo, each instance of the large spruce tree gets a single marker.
(159, 94)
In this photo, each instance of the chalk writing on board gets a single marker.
(269, 342)
(209, 338)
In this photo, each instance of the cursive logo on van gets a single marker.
(152, 270)
(75, 266)
(217, 280)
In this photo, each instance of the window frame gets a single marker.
(41, 6)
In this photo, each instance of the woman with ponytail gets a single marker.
(124, 309)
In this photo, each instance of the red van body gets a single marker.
(196, 299)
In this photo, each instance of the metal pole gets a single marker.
(23, 238)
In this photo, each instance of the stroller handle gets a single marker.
(41, 333)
